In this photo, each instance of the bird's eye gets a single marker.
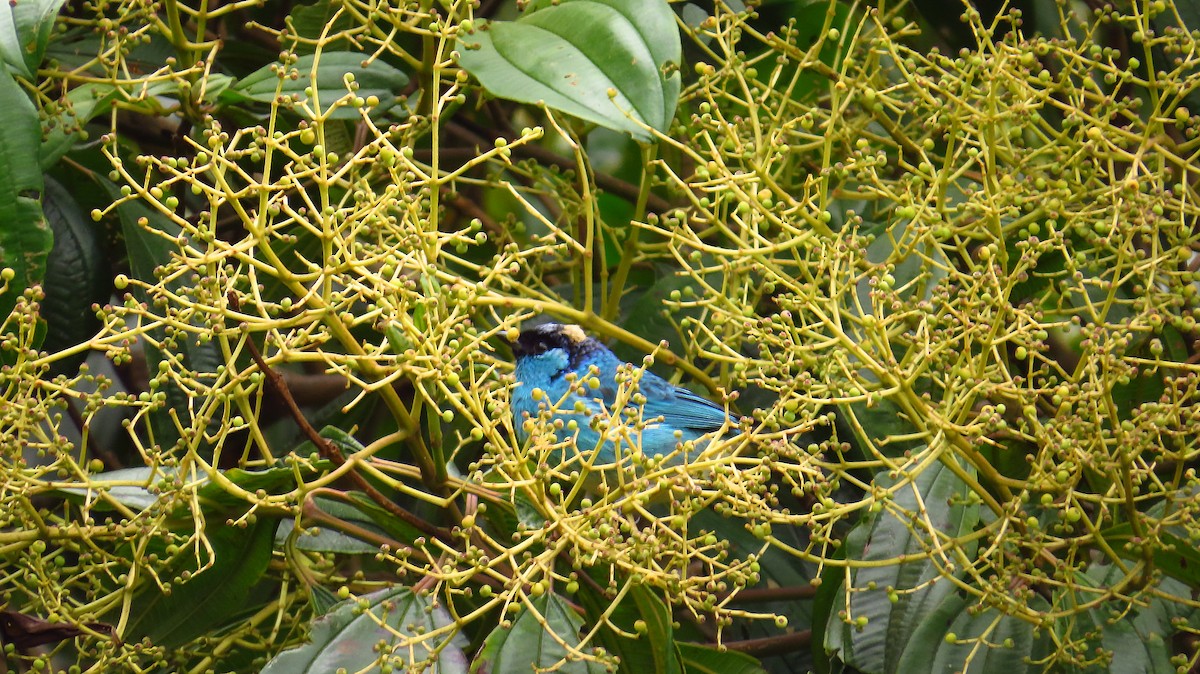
(536, 344)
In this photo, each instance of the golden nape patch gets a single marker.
(574, 333)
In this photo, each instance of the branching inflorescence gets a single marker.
(904, 260)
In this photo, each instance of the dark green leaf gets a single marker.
(573, 55)
(128, 486)
(882, 420)
(349, 638)
(321, 599)
(1137, 637)
(825, 628)
(326, 539)
(808, 27)
(698, 659)
(213, 595)
(1174, 556)
(25, 238)
(952, 639)
(387, 522)
(320, 20)
(77, 276)
(271, 480)
(327, 71)
(82, 104)
(1178, 558)
(32, 23)
(919, 588)
(537, 640)
(652, 651)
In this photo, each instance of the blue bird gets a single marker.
(577, 381)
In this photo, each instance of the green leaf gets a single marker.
(919, 588)
(1138, 637)
(537, 641)
(131, 487)
(386, 522)
(128, 486)
(825, 629)
(652, 651)
(350, 638)
(699, 659)
(809, 21)
(321, 599)
(316, 538)
(213, 595)
(29, 23)
(77, 276)
(872, 424)
(321, 21)
(344, 442)
(10, 43)
(87, 101)
(281, 477)
(572, 55)
(1188, 13)
(982, 642)
(327, 72)
(25, 237)
(1174, 556)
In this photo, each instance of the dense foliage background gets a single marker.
(262, 261)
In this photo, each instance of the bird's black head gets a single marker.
(539, 339)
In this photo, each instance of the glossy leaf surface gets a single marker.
(539, 638)
(328, 73)
(349, 638)
(603, 61)
(25, 238)
(916, 587)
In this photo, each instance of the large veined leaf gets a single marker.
(10, 43)
(25, 27)
(76, 276)
(895, 598)
(327, 539)
(952, 638)
(327, 71)
(394, 625)
(138, 488)
(25, 238)
(63, 126)
(652, 647)
(605, 61)
(536, 641)
(1139, 639)
(130, 487)
(210, 598)
(1174, 556)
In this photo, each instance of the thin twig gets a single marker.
(330, 451)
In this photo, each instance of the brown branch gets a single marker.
(762, 594)
(330, 451)
(779, 645)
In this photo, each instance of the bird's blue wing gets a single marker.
(680, 407)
